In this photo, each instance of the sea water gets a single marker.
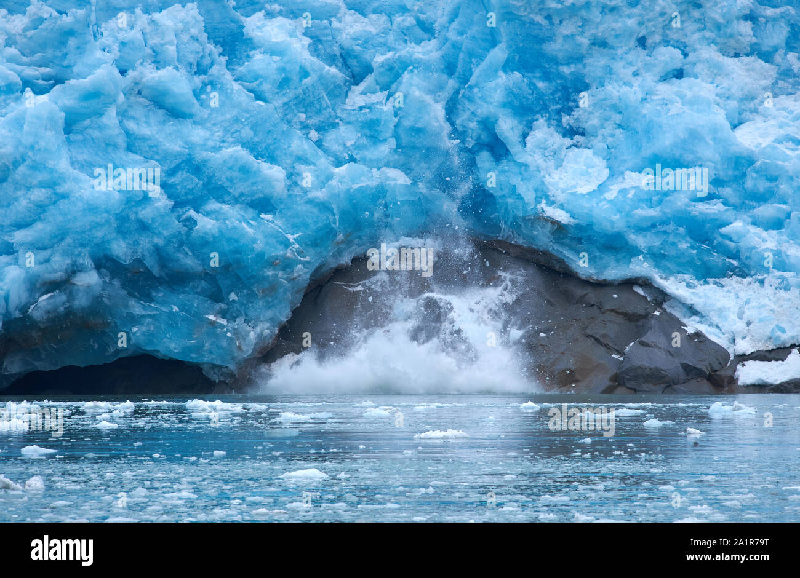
(404, 458)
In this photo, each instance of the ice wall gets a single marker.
(276, 141)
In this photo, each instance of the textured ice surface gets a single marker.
(283, 139)
(768, 372)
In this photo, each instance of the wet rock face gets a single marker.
(590, 337)
(568, 334)
(666, 355)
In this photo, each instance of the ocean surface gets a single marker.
(400, 458)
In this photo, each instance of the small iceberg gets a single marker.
(736, 410)
(653, 423)
(36, 452)
(305, 475)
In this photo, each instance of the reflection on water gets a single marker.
(401, 458)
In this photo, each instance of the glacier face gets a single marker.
(280, 140)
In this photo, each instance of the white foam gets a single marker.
(390, 361)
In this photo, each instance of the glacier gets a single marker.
(277, 141)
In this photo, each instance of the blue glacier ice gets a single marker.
(279, 140)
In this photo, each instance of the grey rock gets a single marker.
(666, 356)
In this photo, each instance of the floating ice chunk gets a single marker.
(626, 411)
(219, 454)
(106, 425)
(585, 441)
(690, 431)
(126, 407)
(719, 409)
(769, 372)
(93, 407)
(581, 518)
(291, 417)
(6, 484)
(428, 406)
(441, 435)
(305, 475)
(199, 407)
(35, 484)
(379, 412)
(529, 406)
(184, 495)
(653, 423)
(36, 452)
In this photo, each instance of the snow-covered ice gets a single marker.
(769, 372)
